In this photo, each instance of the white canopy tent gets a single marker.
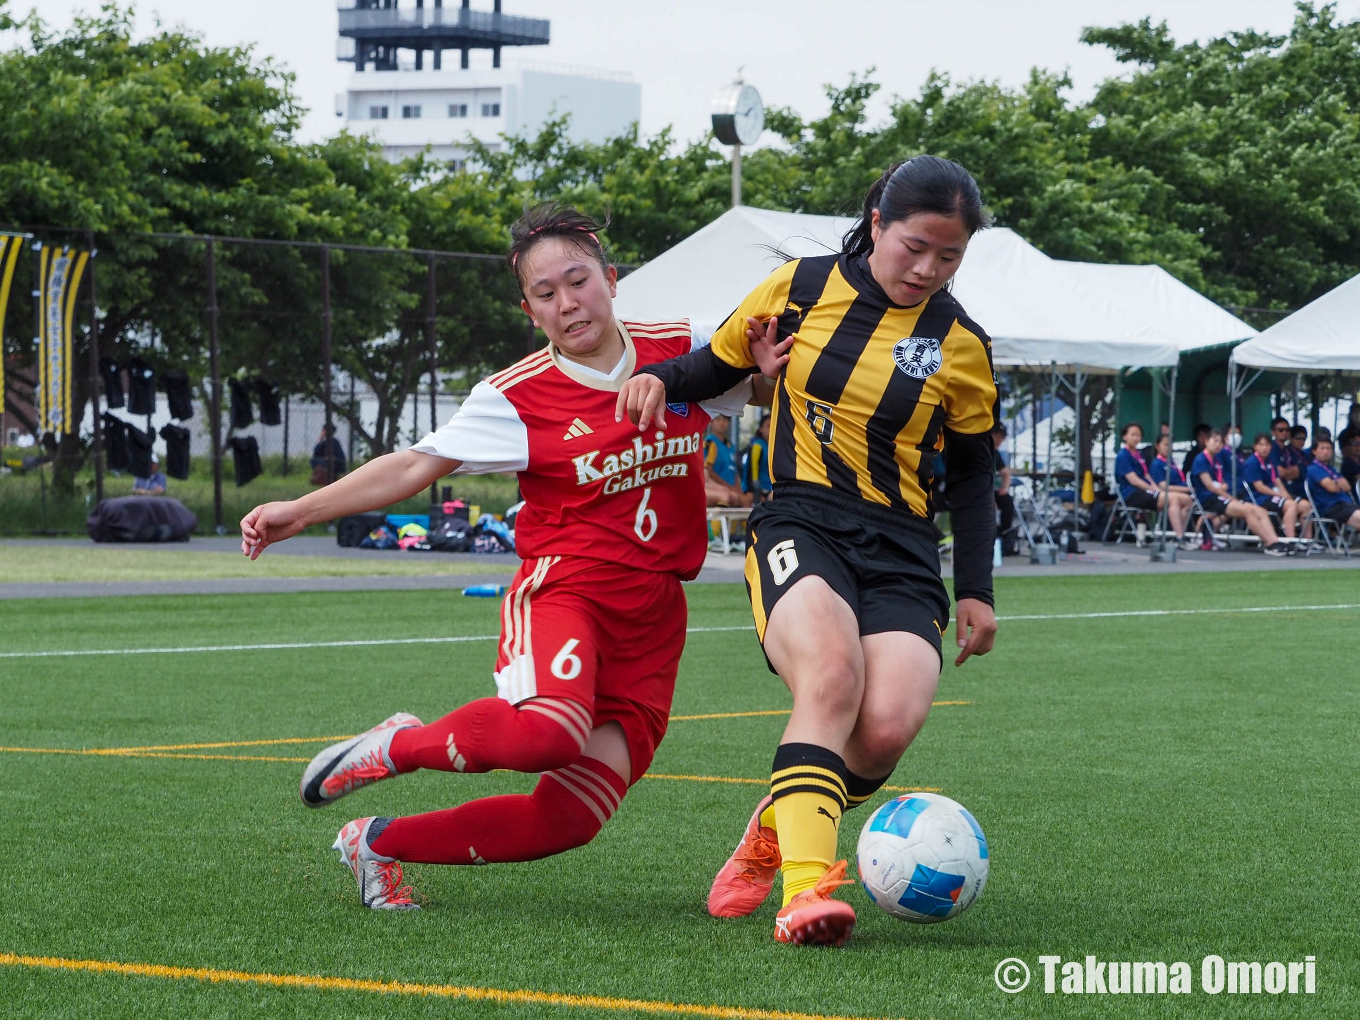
(1193, 321)
(1322, 336)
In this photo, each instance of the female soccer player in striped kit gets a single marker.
(884, 367)
(594, 621)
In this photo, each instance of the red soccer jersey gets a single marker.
(593, 487)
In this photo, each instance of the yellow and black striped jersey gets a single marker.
(870, 386)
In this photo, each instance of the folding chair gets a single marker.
(1128, 519)
(1324, 526)
(1028, 516)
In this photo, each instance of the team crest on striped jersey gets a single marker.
(918, 356)
(578, 429)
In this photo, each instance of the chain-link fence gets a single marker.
(251, 369)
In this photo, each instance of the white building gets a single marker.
(394, 97)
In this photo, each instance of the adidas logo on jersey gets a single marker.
(578, 429)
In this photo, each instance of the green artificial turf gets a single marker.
(1152, 787)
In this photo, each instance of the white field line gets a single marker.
(692, 630)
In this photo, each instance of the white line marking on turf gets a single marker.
(692, 630)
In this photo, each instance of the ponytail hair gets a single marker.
(922, 184)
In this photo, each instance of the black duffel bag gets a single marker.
(354, 529)
(141, 519)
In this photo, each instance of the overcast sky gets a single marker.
(681, 51)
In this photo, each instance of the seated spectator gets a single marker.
(1201, 437)
(1162, 471)
(720, 467)
(1150, 451)
(1286, 459)
(1261, 479)
(155, 484)
(1138, 489)
(1001, 487)
(1298, 439)
(755, 464)
(1350, 460)
(1232, 447)
(1207, 479)
(328, 457)
(1333, 496)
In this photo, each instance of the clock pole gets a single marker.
(736, 175)
(738, 119)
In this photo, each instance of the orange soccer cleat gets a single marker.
(748, 876)
(813, 918)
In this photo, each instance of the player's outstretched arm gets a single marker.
(697, 376)
(381, 482)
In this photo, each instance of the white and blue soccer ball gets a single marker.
(922, 858)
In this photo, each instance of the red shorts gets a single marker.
(605, 636)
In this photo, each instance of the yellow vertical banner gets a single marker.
(59, 273)
(9, 256)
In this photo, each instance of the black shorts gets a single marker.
(884, 563)
(1340, 512)
(1141, 499)
(1213, 504)
(1272, 503)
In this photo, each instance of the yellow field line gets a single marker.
(339, 984)
(120, 753)
(237, 743)
(344, 736)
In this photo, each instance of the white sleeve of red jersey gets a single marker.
(486, 434)
(734, 401)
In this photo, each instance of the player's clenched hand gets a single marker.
(770, 353)
(975, 628)
(267, 524)
(643, 399)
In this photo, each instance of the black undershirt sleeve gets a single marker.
(969, 464)
(698, 375)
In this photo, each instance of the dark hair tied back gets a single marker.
(549, 219)
(922, 184)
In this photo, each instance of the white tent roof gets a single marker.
(1037, 313)
(1322, 336)
(1194, 320)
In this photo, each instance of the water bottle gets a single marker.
(996, 554)
(485, 591)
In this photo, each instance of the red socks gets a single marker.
(567, 809)
(491, 733)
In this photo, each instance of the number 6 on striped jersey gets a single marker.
(783, 560)
(566, 665)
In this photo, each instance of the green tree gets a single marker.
(1257, 138)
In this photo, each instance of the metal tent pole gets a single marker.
(215, 397)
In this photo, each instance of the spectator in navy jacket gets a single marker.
(1335, 499)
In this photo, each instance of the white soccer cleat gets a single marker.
(379, 877)
(344, 767)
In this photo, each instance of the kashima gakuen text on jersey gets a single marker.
(648, 462)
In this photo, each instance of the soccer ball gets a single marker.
(922, 858)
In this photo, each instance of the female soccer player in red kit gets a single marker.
(594, 621)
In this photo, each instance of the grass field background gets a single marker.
(1153, 788)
